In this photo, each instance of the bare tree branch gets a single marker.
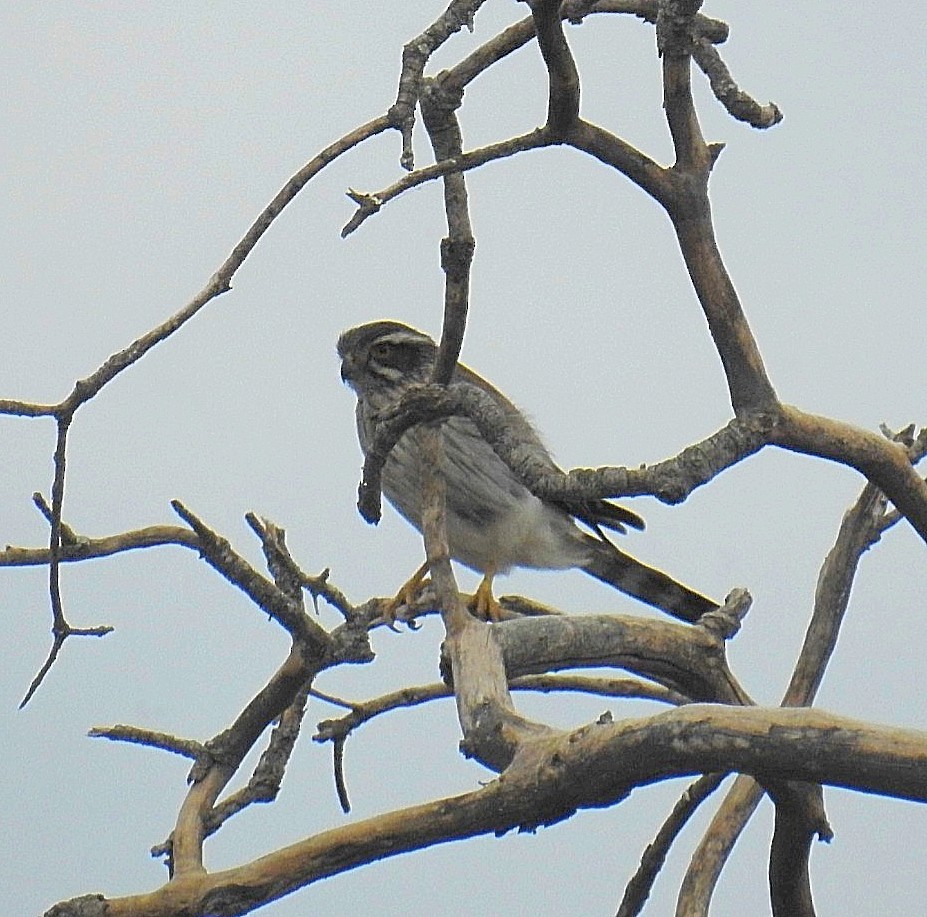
(596, 765)
(82, 547)
(831, 598)
(562, 75)
(638, 889)
(160, 740)
(370, 203)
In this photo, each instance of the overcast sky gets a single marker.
(141, 140)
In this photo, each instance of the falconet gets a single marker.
(494, 523)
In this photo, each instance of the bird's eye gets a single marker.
(380, 351)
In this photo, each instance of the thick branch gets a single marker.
(596, 765)
(687, 659)
(886, 464)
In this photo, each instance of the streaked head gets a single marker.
(386, 355)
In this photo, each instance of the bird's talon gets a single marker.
(406, 597)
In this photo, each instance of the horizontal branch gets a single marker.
(364, 711)
(84, 548)
(687, 659)
(887, 464)
(597, 765)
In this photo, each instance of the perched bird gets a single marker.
(494, 522)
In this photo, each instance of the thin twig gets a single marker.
(371, 203)
(164, 741)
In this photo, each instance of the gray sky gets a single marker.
(141, 140)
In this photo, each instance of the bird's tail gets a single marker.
(652, 586)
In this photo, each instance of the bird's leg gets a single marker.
(407, 594)
(482, 603)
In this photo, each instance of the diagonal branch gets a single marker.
(370, 203)
(638, 889)
(737, 102)
(859, 526)
(287, 612)
(87, 388)
(670, 481)
(885, 463)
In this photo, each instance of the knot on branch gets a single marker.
(440, 95)
(456, 257)
(675, 27)
(84, 906)
(724, 622)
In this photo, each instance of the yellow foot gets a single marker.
(483, 604)
(407, 595)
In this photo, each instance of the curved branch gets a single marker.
(85, 389)
(738, 104)
(415, 56)
(520, 33)
(84, 548)
(687, 659)
(611, 150)
(885, 463)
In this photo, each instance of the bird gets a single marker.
(494, 522)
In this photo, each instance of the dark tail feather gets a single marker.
(654, 587)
